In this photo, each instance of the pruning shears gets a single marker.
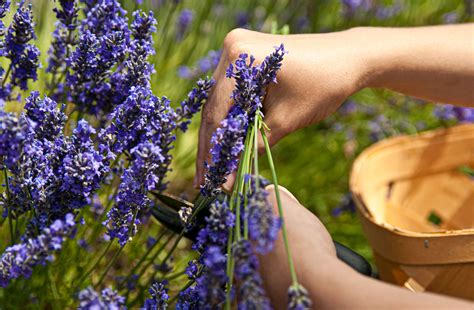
(166, 211)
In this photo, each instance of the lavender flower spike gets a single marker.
(159, 296)
(263, 224)
(298, 298)
(192, 105)
(19, 260)
(228, 142)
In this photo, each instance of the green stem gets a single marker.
(280, 208)
(160, 249)
(81, 280)
(6, 75)
(175, 275)
(12, 236)
(235, 202)
(54, 290)
(143, 258)
(112, 261)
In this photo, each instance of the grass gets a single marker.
(313, 163)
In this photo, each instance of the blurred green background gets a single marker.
(313, 163)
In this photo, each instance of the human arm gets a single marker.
(330, 282)
(322, 70)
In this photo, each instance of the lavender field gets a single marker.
(100, 110)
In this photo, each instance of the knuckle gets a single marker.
(234, 42)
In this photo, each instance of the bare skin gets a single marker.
(318, 74)
(331, 283)
(322, 70)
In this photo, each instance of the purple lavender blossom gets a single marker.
(449, 112)
(189, 299)
(242, 19)
(262, 223)
(13, 132)
(112, 299)
(143, 27)
(48, 119)
(135, 71)
(83, 168)
(109, 299)
(24, 57)
(192, 105)
(228, 142)
(210, 285)
(63, 37)
(347, 205)
(220, 220)
(298, 298)
(202, 66)
(123, 218)
(251, 292)
(20, 259)
(4, 9)
(251, 81)
(351, 7)
(185, 18)
(159, 296)
(104, 38)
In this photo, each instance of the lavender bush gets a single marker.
(82, 159)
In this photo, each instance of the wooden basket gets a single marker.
(417, 209)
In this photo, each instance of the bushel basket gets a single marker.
(415, 198)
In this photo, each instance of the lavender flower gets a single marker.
(228, 142)
(262, 223)
(141, 177)
(202, 66)
(220, 220)
(49, 120)
(347, 205)
(189, 299)
(109, 299)
(24, 57)
(185, 18)
(196, 98)
(143, 27)
(450, 112)
(4, 9)
(251, 81)
(13, 132)
(103, 44)
(298, 298)
(251, 292)
(90, 299)
(83, 168)
(135, 71)
(210, 285)
(159, 296)
(112, 299)
(20, 259)
(63, 37)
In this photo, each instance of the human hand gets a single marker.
(317, 75)
(311, 245)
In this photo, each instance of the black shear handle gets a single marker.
(354, 260)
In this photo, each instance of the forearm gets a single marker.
(434, 63)
(334, 285)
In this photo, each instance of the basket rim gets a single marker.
(390, 143)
